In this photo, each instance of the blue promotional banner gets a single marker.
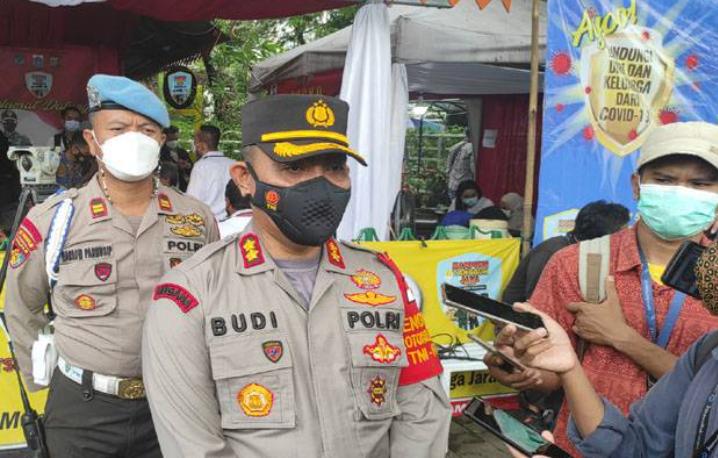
(616, 70)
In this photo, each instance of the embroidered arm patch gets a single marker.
(423, 361)
(177, 294)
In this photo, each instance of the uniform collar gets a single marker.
(98, 208)
(212, 154)
(253, 258)
(626, 243)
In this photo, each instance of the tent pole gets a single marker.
(531, 136)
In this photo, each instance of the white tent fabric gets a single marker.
(422, 37)
(374, 100)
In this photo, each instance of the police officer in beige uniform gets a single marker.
(280, 341)
(125, 233)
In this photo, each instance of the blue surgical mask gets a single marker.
(470, 202)
(676, 212)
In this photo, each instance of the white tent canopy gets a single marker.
(463, 50)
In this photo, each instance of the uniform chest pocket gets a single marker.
(255, 383)
(86, 289)
(377, 360)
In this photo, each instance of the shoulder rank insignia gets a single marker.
(365, 279)
(370, 298)
(164, 202)
(98, 207)
(381, 350)
(177, 294)
(251, 250)
(255, 400)
(334, 254)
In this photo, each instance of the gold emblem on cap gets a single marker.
(320, 115)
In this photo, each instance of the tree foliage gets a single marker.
(228, 67)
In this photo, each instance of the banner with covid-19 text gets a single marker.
(615, 71)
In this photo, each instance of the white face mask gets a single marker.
(71, 125)
(131, 156)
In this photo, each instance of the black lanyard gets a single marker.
(703, 448)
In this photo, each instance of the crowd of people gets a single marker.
(172, 341)
(635, 365)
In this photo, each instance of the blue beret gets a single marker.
(105, 92)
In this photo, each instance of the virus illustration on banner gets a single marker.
(619, 78)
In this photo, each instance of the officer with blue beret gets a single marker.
(97, 252)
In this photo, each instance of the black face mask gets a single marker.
(307, 213)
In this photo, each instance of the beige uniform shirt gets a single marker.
(235, 365)
(106, 275)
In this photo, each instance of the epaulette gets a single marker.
(356, 246)
(55, 199)
(206, 252)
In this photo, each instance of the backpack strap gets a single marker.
(704, 351)
(594, 258)
(593, 268)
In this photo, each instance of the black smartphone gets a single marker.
(510, 363)
(489, 308)
(680, 272)
(512, 431)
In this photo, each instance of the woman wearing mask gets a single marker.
(468, 202)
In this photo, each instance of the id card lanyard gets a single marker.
(679, 298)
(703, 448)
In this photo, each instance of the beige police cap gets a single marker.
(696, 138)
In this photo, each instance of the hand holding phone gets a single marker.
(511, 431)
(510, 364)
(489, 308)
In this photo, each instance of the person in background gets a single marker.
(594, 220)
(460, 165)
(210, 172)
(635, 335)
(239, 211)
(513, 205)
(9, 183)
(169, 175)
(172, 152)
(9, 129)
(76, 163)
(467, 203)
(71, 124)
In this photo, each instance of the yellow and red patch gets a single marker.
(164, 202)
(370, 298)
(98, 207)
(334, 254)
(27, 239)
(255, 400)
(381, 350)
(365, 279)
(85, 302)
(251, 250)
(377, 390)
(272, 198)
